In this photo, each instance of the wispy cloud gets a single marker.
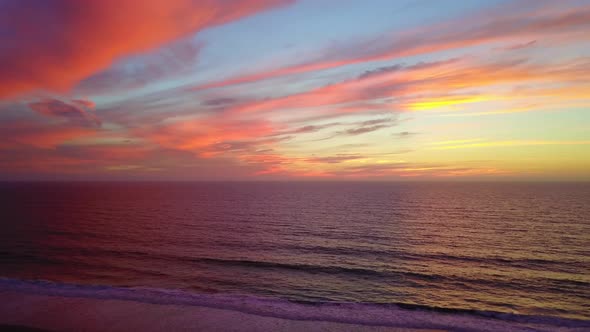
(20, 134)
(77, 111)
(511, 143)
(507, 24)
(404, 134)
(156, 95)
(364, 130)
(334, 159)
(112, 30)
(449, 84)
(520, 46)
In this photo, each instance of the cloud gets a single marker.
(420, 170)
(77, 111)
(377, 121)
(520, 46)
(272, 130)
(333, 159)
(449, 84)
(53, 44)
(364, 130)
(14, 134)
(84, 103)
(246, 146)
(207, 136)
(141, 70)
(364, 127)
(307, 129)
(404, 134)
(505, 24)
(489, 144)
(356, 95)
(223, 101)
(380, 70)
(360, 127)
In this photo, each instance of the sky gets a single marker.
(303, 90)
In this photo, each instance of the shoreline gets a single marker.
(70, 307)
(46, 313)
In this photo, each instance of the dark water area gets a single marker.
(519, 248)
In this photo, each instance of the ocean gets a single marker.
(505, 250)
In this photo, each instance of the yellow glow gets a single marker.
(509, 143)
(444, 102)
(457, 141)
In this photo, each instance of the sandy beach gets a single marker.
(83, 314)
(28, 311)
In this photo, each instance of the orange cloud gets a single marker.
(206, 136)
(53, 44)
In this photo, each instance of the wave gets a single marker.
(374, 314)
(567, 287)
(562, 266)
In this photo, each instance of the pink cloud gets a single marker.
(40, 135)
(206, 136)
(423, 86)
(510, 24)
(54, 44)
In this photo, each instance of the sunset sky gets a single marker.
(279, 89)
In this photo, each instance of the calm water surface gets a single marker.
(521, 248)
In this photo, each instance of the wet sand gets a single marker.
(37, 313)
